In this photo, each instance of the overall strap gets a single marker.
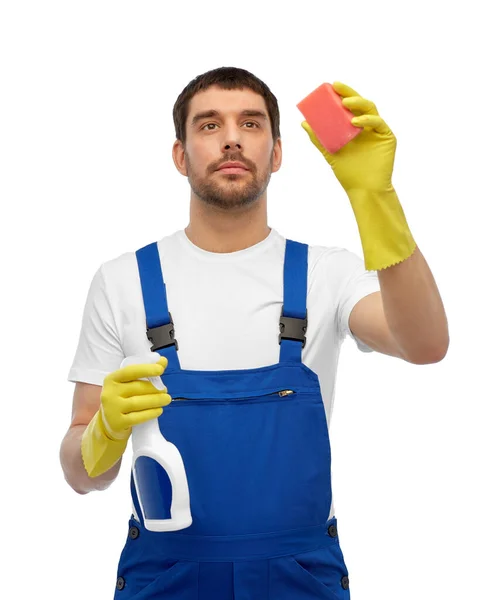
(293, 319)
(159, 323)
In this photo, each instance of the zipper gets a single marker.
(280, 393)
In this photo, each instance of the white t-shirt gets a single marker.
(225, 308)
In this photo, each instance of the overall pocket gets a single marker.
(317, 574)
(254, 465)
(144, 573)
(173, 580)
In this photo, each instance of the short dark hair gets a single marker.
(227, 78)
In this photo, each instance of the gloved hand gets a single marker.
(364, 168)
(124, 401)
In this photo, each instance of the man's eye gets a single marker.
(252, 122)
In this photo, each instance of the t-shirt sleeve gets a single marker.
(99, 350)
(357, 283)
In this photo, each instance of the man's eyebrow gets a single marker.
(214, 113)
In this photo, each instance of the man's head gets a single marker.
(206, 140)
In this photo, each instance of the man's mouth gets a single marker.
(233, 170)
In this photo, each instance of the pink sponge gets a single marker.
(328, 118)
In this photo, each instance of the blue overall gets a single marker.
(256, 451)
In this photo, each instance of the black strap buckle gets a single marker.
(292, 328)
(162, 336)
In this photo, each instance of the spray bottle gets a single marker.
(151, 453)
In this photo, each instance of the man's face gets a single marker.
(226, 136)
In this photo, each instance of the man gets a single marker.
(227, 303)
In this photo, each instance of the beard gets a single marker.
(229, 191)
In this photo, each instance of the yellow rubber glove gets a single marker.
(364, 168)
(124, 402)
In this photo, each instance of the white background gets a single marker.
(86, 174)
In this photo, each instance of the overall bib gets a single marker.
(256, 451)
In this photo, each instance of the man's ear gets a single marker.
(178, 154)
(277, 155)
